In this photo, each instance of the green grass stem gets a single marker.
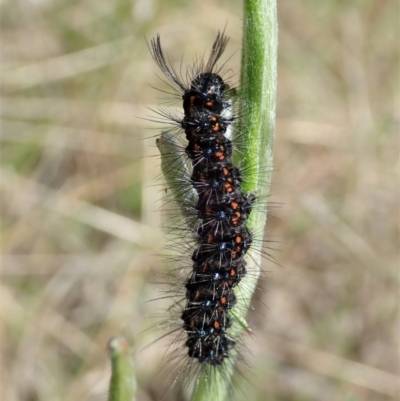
(123, 381)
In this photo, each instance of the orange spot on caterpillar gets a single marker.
(220, 156)
(235, 220)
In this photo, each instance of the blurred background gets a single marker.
(80, 220)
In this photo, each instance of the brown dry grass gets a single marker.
(79, 226)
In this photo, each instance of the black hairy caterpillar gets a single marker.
(221, 238)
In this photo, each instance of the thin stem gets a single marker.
(123, 381)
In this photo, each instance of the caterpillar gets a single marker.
(218, 209)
